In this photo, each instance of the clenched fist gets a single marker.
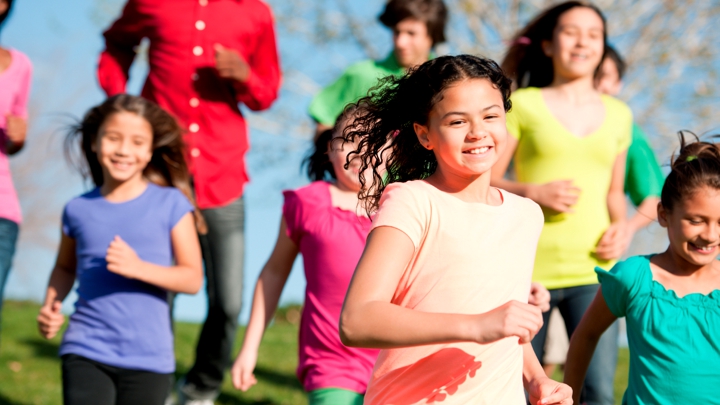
(230, 65)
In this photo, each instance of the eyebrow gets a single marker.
(464, 113)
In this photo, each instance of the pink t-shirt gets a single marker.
(331, 241)
(469, 259)
(14, 92)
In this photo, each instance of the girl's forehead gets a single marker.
(581, 17)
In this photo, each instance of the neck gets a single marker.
(474, 189)
(574, 89)
(680, 267)
(122, 191)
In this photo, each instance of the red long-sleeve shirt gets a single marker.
(184, 81)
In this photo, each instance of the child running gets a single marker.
(568, 145)
(670, 299)
(119, 241)
(15, 78)
(442, 285)
(321, 222)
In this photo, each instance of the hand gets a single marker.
(539, 296)
(510, 319)
(544, 391)
(558, 195)
(230, 65)
(614, 242)
(242, 370)
(122, 259)
(50, 320)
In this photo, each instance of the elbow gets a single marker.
(348, 330)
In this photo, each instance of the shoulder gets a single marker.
(617, 109)
(526, 205)
(409, 189)
(81, 205)
(261, 10)
(21, 59)
(627, 272)
(524, 96)
(314, 194)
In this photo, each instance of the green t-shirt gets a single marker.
(643, 177)
(547, 152)
(351, 87)
(674, 342)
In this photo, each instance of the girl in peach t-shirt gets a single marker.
(443, 283)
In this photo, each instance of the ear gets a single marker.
(546, 48)
(421, 131)
(662, 215)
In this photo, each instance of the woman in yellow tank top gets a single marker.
(568, 144)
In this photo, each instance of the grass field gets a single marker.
(30, 368)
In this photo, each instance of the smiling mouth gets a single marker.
(703, 249)
(477, 151)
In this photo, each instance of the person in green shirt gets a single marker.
(643, 177)
(417, 26)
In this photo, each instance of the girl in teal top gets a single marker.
(671, 300)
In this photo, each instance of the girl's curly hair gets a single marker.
(384, 120)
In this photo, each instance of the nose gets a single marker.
(400, 40)
(123, 147)
(711, 233)
(477, 133)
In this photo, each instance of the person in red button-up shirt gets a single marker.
(206, 57)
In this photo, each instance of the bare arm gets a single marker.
(558, 195)
(369, 319)
(584, 340)
(617, 237)
(267, 294)
(50, 319)
(646, 213)
(542, 389)
(184, 277)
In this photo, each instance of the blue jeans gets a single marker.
(223, 249)
(599, 381)
(8, 238)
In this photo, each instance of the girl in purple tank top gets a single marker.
(127, 243)
(322, 222)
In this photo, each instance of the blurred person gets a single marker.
(127, 243)
(15, 78)
(206, 57)
(568, 143)
(322, 223)
(417, 27)
(643, 184)
(669, 299)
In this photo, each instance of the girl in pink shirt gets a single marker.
(15, 74)
(442, 285)
(320, 221)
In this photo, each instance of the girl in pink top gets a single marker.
(442, 286)
(320, 221)
(15, 73)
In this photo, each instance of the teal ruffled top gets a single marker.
(674, 341)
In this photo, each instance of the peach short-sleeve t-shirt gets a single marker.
(469, 258)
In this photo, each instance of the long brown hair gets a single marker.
(696, 165)
(525, 61)
(391, 108)
(167, 167)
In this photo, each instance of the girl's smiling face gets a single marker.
(694, 227)
(123, 147)
(578, 43)
(466, 128)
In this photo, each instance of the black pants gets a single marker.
(87, 382)
(223, 253)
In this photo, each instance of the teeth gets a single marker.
(478, 151)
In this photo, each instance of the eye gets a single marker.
(695, 221)
(490, 117)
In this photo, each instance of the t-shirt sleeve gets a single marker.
(68, 227)
(405, 210)
(644, 177)
(293, 213)
(620, 284)
(330, 102)
(179, 207)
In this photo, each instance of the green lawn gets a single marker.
(30, 368)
